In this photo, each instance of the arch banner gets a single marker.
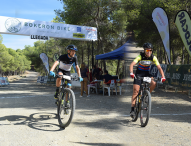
(18, 26)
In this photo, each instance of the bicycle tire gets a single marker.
(136, 109)
(61, 107)
(146, 100)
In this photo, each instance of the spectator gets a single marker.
(90, 75)
(97, 72)
(106, 77)
(93, 71)
(84, 83)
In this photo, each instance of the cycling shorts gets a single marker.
(141, 74)
(69, 82)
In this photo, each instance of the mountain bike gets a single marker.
(66, 102)
(143, 101)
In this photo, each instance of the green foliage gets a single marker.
(11, 60)
(116, 21)
(139, 13)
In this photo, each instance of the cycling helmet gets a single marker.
(147, 45)
(72, 47)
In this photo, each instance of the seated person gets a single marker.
(93, 81)
(106, 77)
(101, 77)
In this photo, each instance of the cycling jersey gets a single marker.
(145, 62)
(66, 62)
(144, 66)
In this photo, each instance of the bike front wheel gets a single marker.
(145, 108)
(66, 107)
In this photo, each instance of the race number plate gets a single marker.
(67, 77)
(147, 79)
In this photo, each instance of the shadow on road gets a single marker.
(38, 121)
(112, 111)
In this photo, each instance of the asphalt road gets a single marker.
(28, 118)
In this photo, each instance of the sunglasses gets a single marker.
(148, 50)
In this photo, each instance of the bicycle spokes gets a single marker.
(66, 108)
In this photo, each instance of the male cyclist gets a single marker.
(145, 59)
(66, 61)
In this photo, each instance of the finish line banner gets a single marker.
(17, 26)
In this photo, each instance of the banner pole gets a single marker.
(92, 54)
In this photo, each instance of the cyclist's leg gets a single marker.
(152, 85)
(135, 93)
(69, 85)
(67, 103)
(136, 87)
(133, 99)
(58, 82)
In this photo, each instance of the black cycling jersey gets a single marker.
(66, 62)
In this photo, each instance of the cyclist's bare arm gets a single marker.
(131, 66)
(78, 71)
(160, 70)
(54, 65)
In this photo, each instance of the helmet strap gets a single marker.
(69, 54)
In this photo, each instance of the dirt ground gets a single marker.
(28, 118)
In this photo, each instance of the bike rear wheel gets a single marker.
(145, 108)
(136, 109)
(66, 113)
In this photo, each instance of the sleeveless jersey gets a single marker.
(145, 62)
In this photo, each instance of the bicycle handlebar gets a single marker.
(63, 76)
(155, 79)
(66, 77)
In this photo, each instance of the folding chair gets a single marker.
(112, 85)
(92, 86)
(123, 84)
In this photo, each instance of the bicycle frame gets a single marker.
(63, 83)
(144, 98)
(145, 85)
(65, 108)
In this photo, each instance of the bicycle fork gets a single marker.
(140, 100)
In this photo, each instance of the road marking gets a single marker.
(170, 114)
(181, 114)
(17, 97)
(117, 115)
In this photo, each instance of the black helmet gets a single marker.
(147, 45)
(72, 47)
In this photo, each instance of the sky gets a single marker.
(41, 10)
